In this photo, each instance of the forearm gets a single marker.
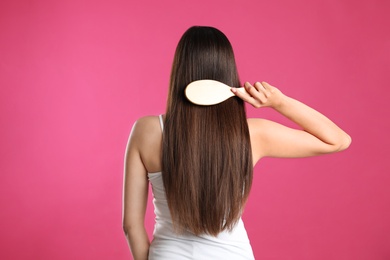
(139, 243)
(313, 122)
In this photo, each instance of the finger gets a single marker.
(256, 93)
(265, 84)
(266, 88)
(244, 95)
(259, 86)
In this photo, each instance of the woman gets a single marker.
(199, 159)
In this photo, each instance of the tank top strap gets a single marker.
(161, 122)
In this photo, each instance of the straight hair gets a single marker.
(207, 165)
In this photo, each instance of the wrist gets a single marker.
(280, 102)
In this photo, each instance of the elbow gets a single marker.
(126, 228)
(132, 228)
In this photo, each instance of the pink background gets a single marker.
(75, 75)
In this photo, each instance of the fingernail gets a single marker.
(234, 90)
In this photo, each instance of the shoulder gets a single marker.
(146, 129)
(145, 142)
(259, 130)
(257, 125)
(145, 123)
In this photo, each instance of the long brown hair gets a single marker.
(206, 154)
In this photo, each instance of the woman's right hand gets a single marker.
(260, 95)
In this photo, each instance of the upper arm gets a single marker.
(135, 186)
(271, 139)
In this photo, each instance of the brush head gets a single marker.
(207, 92)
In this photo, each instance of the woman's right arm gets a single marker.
(319, 135)
(135, 195)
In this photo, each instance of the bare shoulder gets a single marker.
(257, 125)
(255, 121)
(146, 121)
(146, 137)
(145, 128)
(264, 128)
(259, 129)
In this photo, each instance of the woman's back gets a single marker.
(187, 245)
(149, 136)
